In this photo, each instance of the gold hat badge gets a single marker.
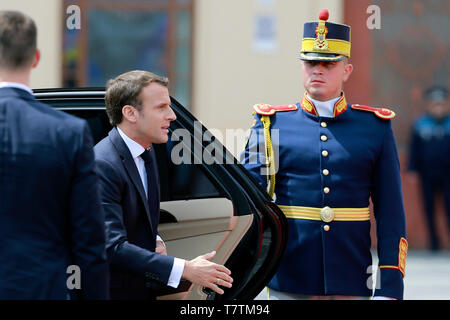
(321, 42)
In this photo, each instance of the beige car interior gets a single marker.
(202, 226)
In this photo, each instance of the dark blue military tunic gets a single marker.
(334, 163)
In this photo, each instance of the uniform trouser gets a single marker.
(430, 188)
(271, 294)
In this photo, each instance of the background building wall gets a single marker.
(47, 15)
(393, 66)
(230, 76)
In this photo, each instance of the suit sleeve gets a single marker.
(389, 212)
(87, 222)
(121, 253)
(253, 156)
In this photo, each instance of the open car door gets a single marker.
(205, 205)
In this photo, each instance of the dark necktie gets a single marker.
(153, 189)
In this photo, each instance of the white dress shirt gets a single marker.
(325, 108)
(4, 84)
(136, 150)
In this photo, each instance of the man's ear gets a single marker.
(129, 113)
(37, 58)
(348, 71)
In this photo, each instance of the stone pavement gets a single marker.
(427, 275)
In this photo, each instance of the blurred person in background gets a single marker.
(429, 161)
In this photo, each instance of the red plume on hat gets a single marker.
(324, 40)
(324, 14)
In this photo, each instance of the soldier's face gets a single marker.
(324, 80)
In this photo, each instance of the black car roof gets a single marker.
(70, 93)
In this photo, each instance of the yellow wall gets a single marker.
(47, 15)
(229, 76)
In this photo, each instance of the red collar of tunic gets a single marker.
(339, 107)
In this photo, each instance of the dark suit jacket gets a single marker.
(50, 212)
(136, 270)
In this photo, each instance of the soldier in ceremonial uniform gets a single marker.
(322, 159)
(430, 140)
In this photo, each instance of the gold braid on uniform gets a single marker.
(270, 160)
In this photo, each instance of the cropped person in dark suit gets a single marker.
(138, 106)
(51, 221)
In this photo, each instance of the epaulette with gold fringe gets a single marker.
(382, 113)
(268, 110)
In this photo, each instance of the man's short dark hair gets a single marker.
(18, 40)
(125, 90)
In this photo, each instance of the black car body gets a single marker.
(204, 207)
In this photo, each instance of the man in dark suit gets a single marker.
(51, 221)
(138, 106)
